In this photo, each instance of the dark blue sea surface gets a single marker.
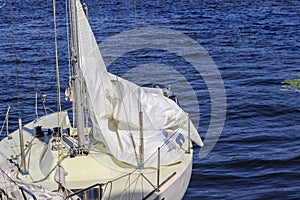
(255, 45)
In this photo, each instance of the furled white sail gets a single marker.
(115, 103)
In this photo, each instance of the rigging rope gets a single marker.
(68, 40)
(17, 91)
(43, 52)
(136, 41)
(5, 121)
(140, 158)
(59, 151)
(15, 59)
(56, 57)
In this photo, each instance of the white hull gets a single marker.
(130, 124)
(121, 181)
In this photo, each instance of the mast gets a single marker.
(79, 111)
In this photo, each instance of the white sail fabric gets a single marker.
(115, 103)
(10, 186)
(60, 175)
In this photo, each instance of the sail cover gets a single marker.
(114, 105)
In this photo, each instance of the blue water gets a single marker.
(255, 44)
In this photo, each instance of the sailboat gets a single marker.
(125, 142)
